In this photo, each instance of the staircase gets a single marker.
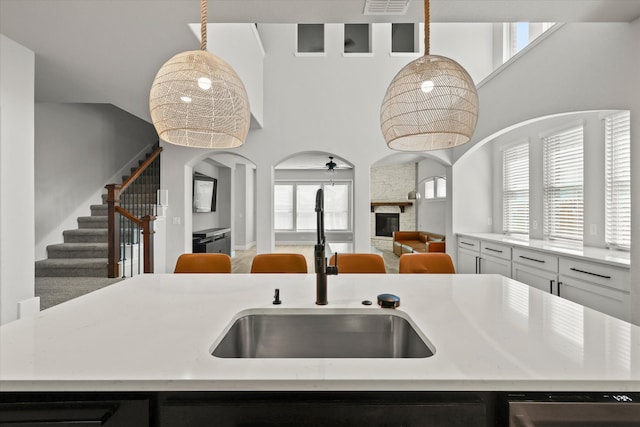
(83, 253)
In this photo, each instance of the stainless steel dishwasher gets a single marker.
(574, 409)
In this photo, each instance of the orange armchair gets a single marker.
(359, 263)
(432, 262)
(279, 263)
(203, 263)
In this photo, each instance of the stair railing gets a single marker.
(135, 203)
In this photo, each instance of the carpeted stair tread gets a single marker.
(93, 221)
(78, 250)
(99, 210)
(72, 267)
(85, 235)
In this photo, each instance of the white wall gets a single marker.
(16, 180)
(472, 192)
(579, 67)
(78, 148)
(245, 54)
(431, 213)
(243, 228)
(469, 44)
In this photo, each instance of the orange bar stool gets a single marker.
(359, 263)
(432, 262)
(203, 263)
(279, 263)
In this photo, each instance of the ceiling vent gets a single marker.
(385, 7)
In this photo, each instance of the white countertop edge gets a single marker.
(622, 259)
(317, 385)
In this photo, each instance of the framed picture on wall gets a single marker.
(204, 193)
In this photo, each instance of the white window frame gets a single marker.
(563, 188)
(618, 180)
(322, 184)
(515, 189)
(439, 184)
(510, 36)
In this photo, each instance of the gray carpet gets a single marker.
(56, 290)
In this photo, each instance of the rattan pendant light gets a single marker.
(198, 100)
(430, 104)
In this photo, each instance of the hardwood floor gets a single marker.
(241, 262)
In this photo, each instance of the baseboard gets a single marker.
(244, 247)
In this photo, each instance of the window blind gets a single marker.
(283, 207)
(618, 180)
(563, 185)
(515, 189)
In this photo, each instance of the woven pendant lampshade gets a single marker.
(198, 100)
(430, 104)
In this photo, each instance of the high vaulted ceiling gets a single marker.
(109, 51)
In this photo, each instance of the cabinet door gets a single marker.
(490, 265)
(535, 277)
(606, 300)
(467, 261)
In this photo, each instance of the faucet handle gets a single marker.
(333, 269)
(276, 297)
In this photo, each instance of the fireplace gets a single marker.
(387, 223)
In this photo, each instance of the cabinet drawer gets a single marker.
(536, 259)
(470, 244)
(496, 250)
(600, 274)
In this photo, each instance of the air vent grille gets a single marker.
(385, 7)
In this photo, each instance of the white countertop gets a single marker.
(614, 258)
(155, 332)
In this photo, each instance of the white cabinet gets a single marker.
(479, 257)
(536, 269)
(598, 286)
(494, 259)
(468, 255)
(541, 279)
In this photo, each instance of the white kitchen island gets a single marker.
(155, 333)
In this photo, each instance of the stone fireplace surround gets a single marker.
(392, 184)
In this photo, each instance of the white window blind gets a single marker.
(283, 207)
(618, 181)
(563, 185)
(515, 189)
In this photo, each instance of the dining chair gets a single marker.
(203, 263)
(431, 262)
(359, 263)
(279, 263)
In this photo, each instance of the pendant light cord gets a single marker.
(427, 18)
(203, 24)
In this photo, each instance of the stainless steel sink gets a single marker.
(368, 333)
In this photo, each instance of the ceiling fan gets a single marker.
(331, 165)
